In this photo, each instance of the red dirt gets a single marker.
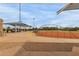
(58, 34)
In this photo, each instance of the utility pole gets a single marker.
(19, 14)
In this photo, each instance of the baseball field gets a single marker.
(28, 44)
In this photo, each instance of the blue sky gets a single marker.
(44, 13)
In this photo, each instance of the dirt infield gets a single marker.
(59, 34)
(28, 44)
(48, 49)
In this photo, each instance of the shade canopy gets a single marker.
(69, 6)
(18, 24)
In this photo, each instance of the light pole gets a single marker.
(33, 23)
(20, 12)
(20, 16)
(34, 26)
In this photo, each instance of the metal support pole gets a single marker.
(19, 12)
(20, 15)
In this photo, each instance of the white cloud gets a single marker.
(11, 14)
(67, 18)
